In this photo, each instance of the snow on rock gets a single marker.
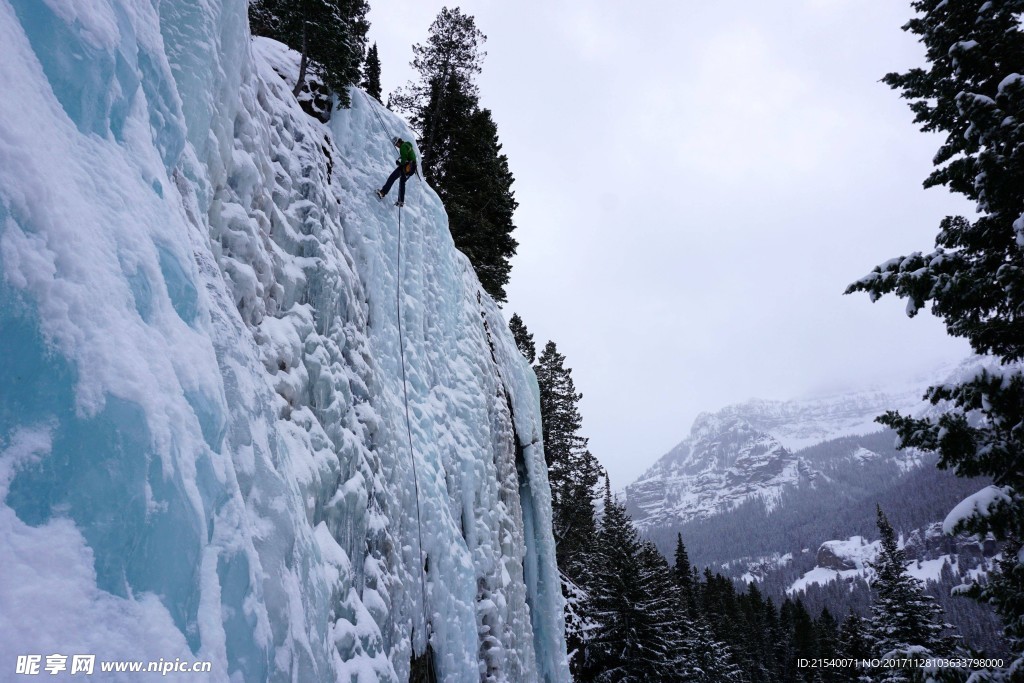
(852, 553)
(839, 560)
(1013, 80)
(929, 570)
(725, 462)
(752, 450)
(922, 570)
(928, 550)
(822, 576)
(203, 443)
(758, 568)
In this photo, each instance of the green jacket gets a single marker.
(406, 152)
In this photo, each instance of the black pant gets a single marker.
(403, 172)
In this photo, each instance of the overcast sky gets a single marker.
(698, 182)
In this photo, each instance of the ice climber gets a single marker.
(406, 167)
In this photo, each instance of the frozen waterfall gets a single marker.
(203, 445)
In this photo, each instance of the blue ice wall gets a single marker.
(204, 452)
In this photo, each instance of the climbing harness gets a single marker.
(412, 453)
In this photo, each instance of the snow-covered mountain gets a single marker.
(785, 493)
(757, 449)
(724, 462)
(748, 450)
(219, 439)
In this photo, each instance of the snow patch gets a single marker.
(978, 504)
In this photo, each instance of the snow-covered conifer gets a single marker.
(683, 573)
(452, 55)
(614, 595)
(853, 644)
(371, 73)
(472, 177)
(524, 340)
(709, 660)
(573, 471)
(905, 622)
(637, 634)
(459, 142)
(972, 91)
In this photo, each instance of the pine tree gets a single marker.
(462, 156)
(905, 623)
(721, 607)
(826, 633)
(827, 629)
(972, 92)
(473, 179)
(572, 470)
(465, 165)
(330, 35)
(853, 644)
(758, 634)
(560, 415)
(638, 634)
(791, 644)
(709, 658)
(805, 643)
(614, 596)
(1005, 590)
(371, 73)
(524, 340)
(447, 63)
(573, 473)
(683, 573)
(663, 629)
(577, 564)
(578, 624)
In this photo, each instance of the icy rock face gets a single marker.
(204, 451)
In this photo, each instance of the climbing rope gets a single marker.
(405, 394)
(376, 115)
(408, 429)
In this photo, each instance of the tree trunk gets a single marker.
(302, 64)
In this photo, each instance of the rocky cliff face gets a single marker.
(724, 462)
(749, 450)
